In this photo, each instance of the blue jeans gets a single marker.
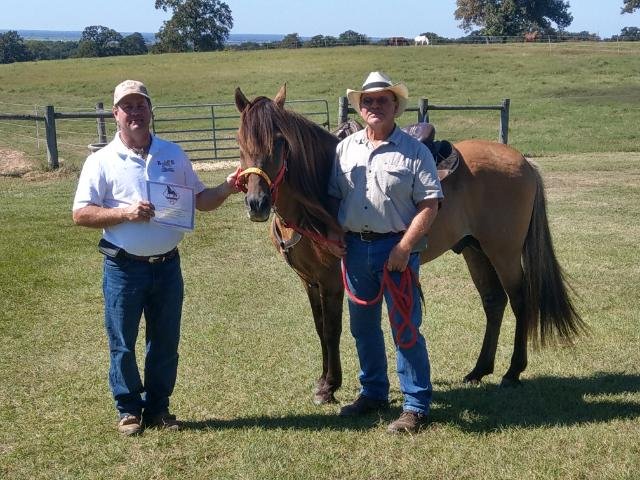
(131, 288)
(364, 263)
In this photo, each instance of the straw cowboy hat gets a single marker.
(377, 82)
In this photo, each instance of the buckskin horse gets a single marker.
(493, 213)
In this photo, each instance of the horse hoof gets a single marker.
(472, 381)
(510, 383)
(324, 398)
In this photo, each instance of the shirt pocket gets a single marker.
(395, 180)
(347, 176)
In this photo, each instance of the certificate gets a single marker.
(174, 205)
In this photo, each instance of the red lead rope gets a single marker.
(402, 295)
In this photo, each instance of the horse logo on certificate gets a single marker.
(171, 195)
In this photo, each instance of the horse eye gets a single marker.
(279, 141)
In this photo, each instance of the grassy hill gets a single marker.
(571, 97)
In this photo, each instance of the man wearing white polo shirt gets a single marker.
(141, 264)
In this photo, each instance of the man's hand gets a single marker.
(336, 245)
(141, 211)
(232, 181)
(418, 228)
(337, 250)
(398, 258)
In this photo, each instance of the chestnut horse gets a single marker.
(532, 36)
(493, 213)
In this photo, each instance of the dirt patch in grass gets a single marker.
(217, 165)
(14, 163)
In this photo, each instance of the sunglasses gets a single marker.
(371, 101)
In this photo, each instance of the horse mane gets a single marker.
(310, 151)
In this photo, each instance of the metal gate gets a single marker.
(208, 131)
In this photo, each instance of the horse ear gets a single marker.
(241, 101)
(281, 96)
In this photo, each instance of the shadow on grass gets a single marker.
(540, 402)
(316, 422)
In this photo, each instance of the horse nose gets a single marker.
(258, 207)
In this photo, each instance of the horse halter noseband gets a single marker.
(273, 185)
(249, 171)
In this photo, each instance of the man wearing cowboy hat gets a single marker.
(141, 265)
(387, 192)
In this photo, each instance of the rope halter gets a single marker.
(241, 179)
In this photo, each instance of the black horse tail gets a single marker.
(550, 312)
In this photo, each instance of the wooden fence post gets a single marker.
(52, 142)
(343, 110)
(102, 128)
(423, 110)
(504, 121)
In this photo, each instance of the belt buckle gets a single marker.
(364, 234)
(155, 259)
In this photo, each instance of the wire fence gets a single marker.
(28, 133)
(206, 132)
(71, 134)
(320, 41)
(75, 135)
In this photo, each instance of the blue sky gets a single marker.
(375, 18)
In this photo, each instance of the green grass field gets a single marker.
(249, 353)
(573, 97)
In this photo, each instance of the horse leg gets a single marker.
(494, 302)
(326, 306)
(332, 299)
(313, 293)
(512, 278)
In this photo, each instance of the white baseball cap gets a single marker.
(129, 87)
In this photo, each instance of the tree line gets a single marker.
(517, 17)
(204, 25)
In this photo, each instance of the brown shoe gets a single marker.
(129, 425)
(363, 405)
(162, 421)
(408, 422)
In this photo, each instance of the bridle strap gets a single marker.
(241, 182)
(278, 180)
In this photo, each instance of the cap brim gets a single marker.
(116, 102)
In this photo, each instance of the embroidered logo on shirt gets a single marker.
(167, 165)
(171, 195)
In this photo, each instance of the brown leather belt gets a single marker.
(372, 236)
